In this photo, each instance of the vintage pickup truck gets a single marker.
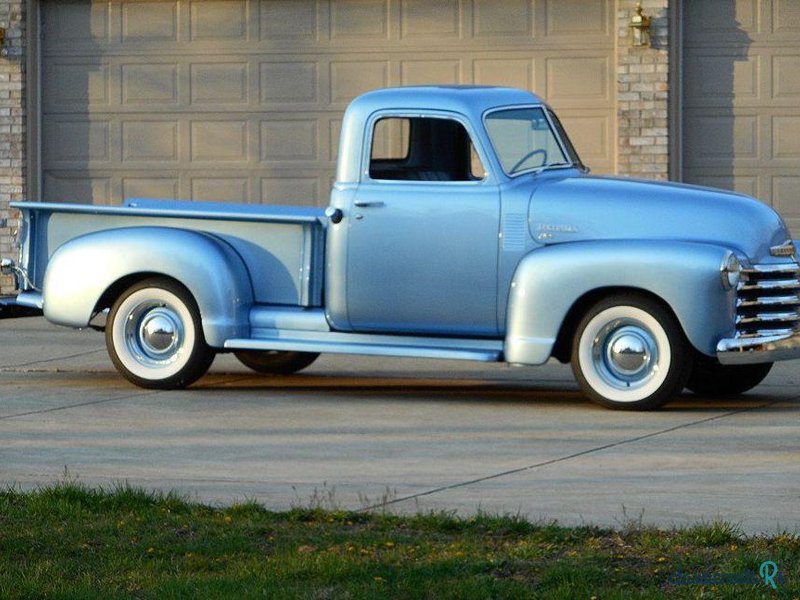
(462, 225)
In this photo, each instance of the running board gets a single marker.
(376, 345)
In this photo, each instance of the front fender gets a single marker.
(550, 280)
(81, 270)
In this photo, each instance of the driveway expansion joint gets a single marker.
(568, 457)
(54, 359)
(140, 394)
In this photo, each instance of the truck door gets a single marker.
(423, 239)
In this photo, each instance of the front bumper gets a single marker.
(759, 349)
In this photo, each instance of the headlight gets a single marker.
(730, 271)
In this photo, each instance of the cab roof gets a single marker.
(465, 99)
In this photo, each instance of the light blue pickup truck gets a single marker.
(462, 225)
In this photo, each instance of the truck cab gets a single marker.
(423, 191)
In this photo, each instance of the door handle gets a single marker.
(368, 204)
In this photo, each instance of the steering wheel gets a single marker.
(527, 157)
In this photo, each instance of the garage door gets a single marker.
(241, 100)
(742, 99)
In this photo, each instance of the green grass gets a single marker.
(69, 541)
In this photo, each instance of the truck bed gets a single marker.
(282, 246)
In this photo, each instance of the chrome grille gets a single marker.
(768, 300)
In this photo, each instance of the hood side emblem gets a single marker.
(556, 228)
(548, 231)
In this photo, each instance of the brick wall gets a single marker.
(642, 93)
(12, 124)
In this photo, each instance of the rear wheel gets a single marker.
(710, 378)
(154, 335)
(630, 353)
(275, 362)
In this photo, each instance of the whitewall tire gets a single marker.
(630, 353)
(155, 337)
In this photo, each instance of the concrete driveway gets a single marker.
(355, 431)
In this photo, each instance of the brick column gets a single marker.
(12, 124)
(642, 93)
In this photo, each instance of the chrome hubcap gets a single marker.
(154, 333)
(158, 331)
(625, 354)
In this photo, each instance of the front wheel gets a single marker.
(710, 378)
(154, 335)
(630, 353)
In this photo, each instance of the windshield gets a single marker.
(524, 141)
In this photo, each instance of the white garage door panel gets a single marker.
(242, 100)
(742, 99)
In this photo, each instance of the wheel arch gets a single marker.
(553, 286)
(562, 348)
(116, 289)
(90, 272)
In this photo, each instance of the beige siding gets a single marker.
(242, 99)
(742, 99)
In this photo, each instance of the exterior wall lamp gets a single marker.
(640, 28)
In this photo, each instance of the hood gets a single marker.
(598, 208)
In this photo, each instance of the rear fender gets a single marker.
(549, 281)
(81, 270)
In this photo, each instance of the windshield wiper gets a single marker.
(554, 166)
(537, 170)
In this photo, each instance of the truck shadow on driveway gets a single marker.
(550, 393)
